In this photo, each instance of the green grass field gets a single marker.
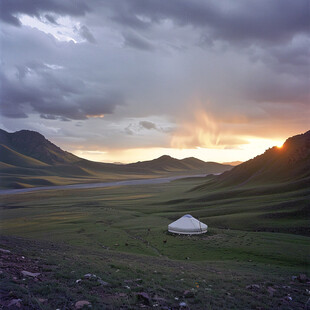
(256, 236)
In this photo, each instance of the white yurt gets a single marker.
(187, 225)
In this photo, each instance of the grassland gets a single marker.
(27, 159)
(257, 235)
(92, 172)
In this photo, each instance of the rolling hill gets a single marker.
(27, 158)
(289, 163)
(170, 164)
(34, 145)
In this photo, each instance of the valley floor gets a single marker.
(110, 247)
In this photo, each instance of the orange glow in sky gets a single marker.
(199, 134)
(254, 147)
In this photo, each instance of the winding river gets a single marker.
(95, 185)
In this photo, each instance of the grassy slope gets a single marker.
(33, 144)
(15, 159)
(291, 162)
(233, 253)
(28, 159)
(21, 169)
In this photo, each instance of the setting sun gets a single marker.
(279, 145)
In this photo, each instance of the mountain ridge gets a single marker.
(285, 164)
(34, 144)
(28, 155)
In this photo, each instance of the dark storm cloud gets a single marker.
(294, 58)
(51, 19)
(135, 41)
(37, 89)
(53, 117)
(243, 20)
(262, 88)
(122, 17)
(264, 20)
(137, 128)
(10, 9)
(245, 57)
(96, 105)
(86, 34)
(152, 126)
(148, 125)
(48, 116)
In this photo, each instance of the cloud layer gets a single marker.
(66, 64)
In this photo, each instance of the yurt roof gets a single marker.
(187, 224)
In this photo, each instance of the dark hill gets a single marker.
(289, 163)
(13, 158)
(35, 145)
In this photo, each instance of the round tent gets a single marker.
(187, 225)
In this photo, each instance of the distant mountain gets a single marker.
(33, 144)
(289, 163)
(170, 164)
(27, 158)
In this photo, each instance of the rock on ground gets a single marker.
(81, 303)
(30, 274)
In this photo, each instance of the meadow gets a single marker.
(257, 236)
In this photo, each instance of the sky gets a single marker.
(123, 81)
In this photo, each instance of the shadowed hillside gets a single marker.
(289, 163)
(35, 145)
(12, 158)
(28, 159)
